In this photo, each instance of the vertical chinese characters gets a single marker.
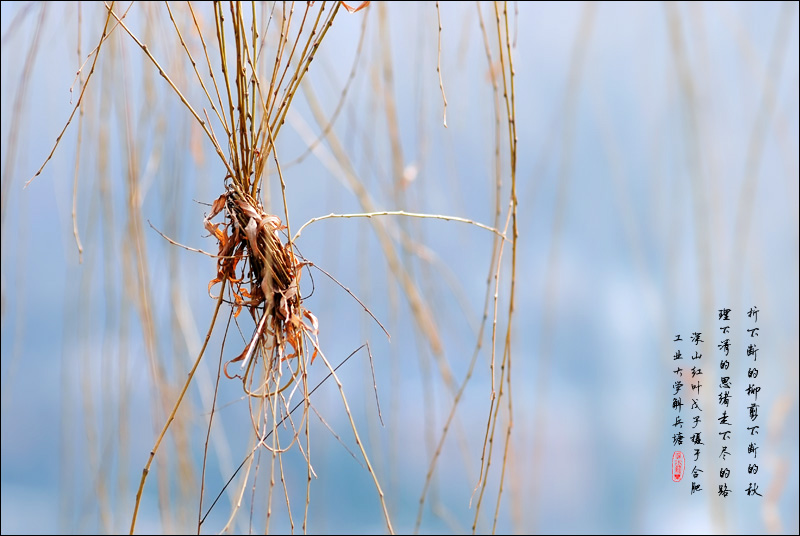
(724, 400)
(678, 460)
(751, 392)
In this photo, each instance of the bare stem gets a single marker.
(174, 411)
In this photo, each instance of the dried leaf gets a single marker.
(213, 282)
(234, 360)
(239, 302)
(252, 236)
(314, 322)
(218, 205)
(351, 9)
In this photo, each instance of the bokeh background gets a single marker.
(657, 182)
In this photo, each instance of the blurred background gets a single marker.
(657, 182)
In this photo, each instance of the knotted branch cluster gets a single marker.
(271, 291)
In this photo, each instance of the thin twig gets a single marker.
(80, 97)
(340, 104)
(210, 421)
(357, 438)
(166, 77)
(174, 411)
(374, 384)
(439, 66)
(210, 69)
(399, 213)
(353, 296)
(260, 442)
(174, 243)
(75, 231)
(193, 62)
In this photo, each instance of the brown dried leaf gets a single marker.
(351, 9)
(234, 360)
(218, 205)
(213, 282)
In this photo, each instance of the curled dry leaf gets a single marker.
(351, 9)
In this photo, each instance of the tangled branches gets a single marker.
(271, 292)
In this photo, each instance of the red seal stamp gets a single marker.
(678, 464)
